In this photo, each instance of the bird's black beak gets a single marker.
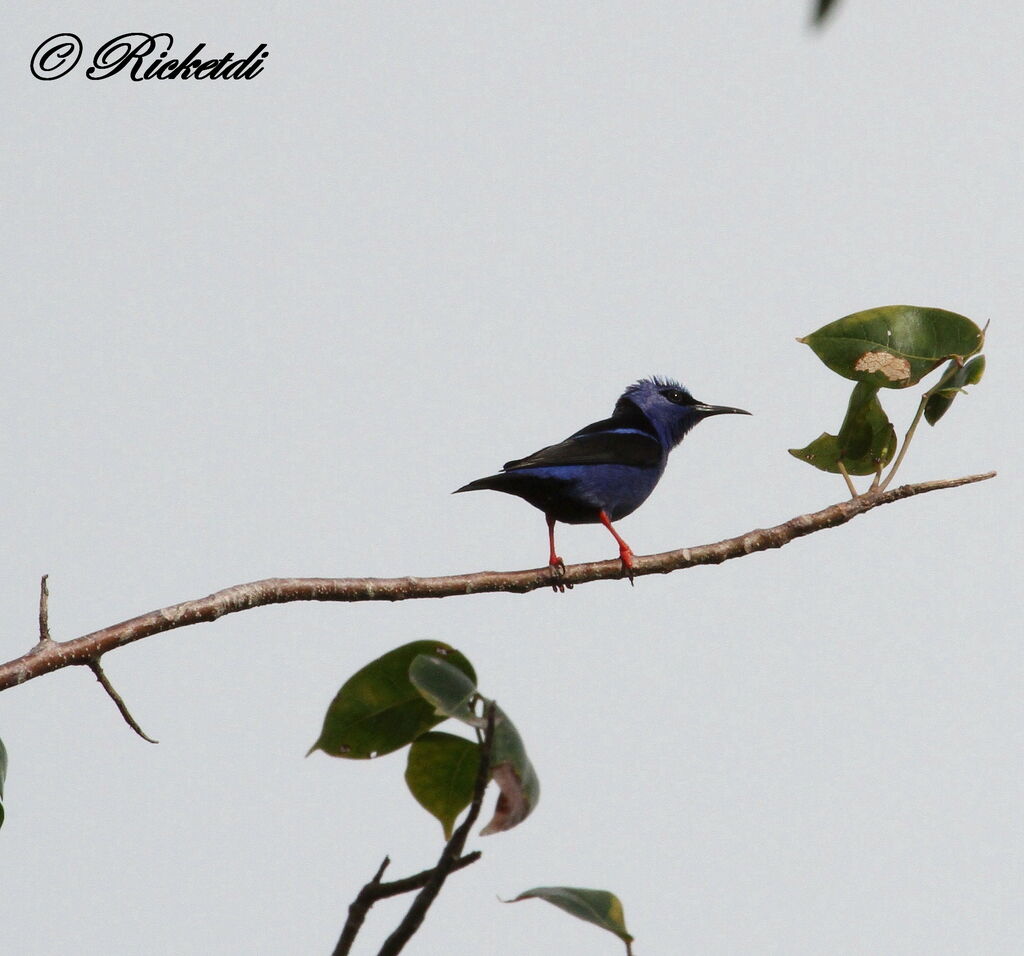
(706, 411)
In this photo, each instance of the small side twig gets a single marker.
(453, 849)
(418, 880)
(44, 611)
(358, 909)
(117, 699)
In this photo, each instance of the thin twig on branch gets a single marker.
(44, 611)
(118, 701)
(358, 909)
(48, 656)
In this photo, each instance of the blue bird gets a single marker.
(607, 470)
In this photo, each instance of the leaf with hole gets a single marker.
(595, 906)
(441, 774)
(894, 346)
(378, 710)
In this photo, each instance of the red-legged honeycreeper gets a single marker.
(607, 470)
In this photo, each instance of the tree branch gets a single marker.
(453, 849)
(357, 911)
(376, 890)
(429, 882)
(47, 656)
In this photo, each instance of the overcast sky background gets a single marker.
(264, 328)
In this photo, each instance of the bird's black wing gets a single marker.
(603, 443)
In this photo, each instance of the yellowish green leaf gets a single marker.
(595, 906)
(441, 774)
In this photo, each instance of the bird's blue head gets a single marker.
(669, 407)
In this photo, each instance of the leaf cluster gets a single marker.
(892, 347)
(396, 700)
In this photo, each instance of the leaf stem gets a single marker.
(906, 441)
(847, 479)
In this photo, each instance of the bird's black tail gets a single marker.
(490, 483)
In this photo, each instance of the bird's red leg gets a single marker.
(554, 560)
(557, 564)
(625, 552)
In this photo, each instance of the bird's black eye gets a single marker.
(678, 397)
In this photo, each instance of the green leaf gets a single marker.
(595, 906)
(954, 380)
(894, 346)
(441, 774)
(378, 710)
(3, 776)
(866, 440)
(446, 687)
(512, 771)
(824, 453)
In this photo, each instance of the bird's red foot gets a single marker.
(557, 566)
(626, 557)
(625, 552)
